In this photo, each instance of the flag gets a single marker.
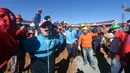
(127, 9)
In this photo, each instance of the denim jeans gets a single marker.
(88, 52)
(71, 50)
(116, 66)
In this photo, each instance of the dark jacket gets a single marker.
(37, 20)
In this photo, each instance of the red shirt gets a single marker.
(125, 44)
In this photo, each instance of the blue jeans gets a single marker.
(71, 50)
(88, 52)
(116, 66)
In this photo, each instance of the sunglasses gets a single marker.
(46, 30)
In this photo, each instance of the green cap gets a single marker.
(115, 25)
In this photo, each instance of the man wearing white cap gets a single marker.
(42, 49)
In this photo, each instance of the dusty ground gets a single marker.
(62, 65)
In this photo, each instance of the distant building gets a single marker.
(107, 23)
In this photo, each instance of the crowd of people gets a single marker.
(43, 42)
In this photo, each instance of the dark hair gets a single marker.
(128, 21)
(110, 30)
(47, 17)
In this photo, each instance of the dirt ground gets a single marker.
(61, 63)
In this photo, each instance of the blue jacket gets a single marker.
(41, 46)
(37, 20)
(71, 36)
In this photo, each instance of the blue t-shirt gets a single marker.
(71, 36)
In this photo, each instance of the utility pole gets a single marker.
(123, 7)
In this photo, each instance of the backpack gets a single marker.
(8, 43)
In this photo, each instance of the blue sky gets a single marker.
(72, 11)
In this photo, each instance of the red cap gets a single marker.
(18, 16)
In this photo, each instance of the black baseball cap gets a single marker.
(46, 24)
(47, 17)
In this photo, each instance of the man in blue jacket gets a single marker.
(42, 49)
